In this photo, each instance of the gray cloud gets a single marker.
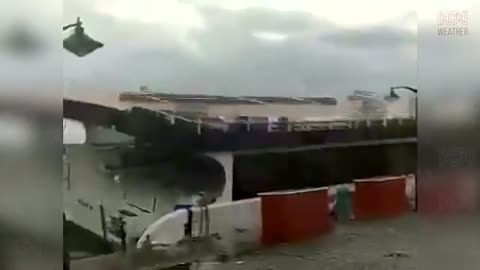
(261, 19)
(448, 64)
(372, 38)
(225, 58)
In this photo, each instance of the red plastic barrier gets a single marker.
(290, 216)
(448, 193)
(379, 197)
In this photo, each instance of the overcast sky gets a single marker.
(243, 47)
(252, 47)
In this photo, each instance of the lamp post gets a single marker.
(80, 43)
(393, 97)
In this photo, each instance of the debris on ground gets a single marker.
(216, 236)
(352, 236)
(397, 254)
(240, 230)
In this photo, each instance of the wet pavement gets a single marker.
(357, 245)
(407, 243)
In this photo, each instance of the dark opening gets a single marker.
(295, 170)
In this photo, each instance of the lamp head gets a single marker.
(392, 96)
(80, 43)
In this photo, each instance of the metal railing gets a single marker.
(252, 123)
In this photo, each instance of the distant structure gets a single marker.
(359, 105)
(233, 107)
(144, 89)
(367, 105)
(362, 95)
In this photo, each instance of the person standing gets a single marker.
(66, 259)
(343, 205)
(148, 243)
(66, 255)
(123, 235)
(188, 225)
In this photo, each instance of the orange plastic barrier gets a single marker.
(290, 216)
(379, 197)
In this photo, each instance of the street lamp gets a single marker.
(393, 97)
(80, 43)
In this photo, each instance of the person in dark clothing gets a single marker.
(66, 260)
(188, 225)
(148, 243)
(66, 255)
(123, 235)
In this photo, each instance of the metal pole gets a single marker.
(415, 91)
(154, 206)
(103, 222)
(78, 23)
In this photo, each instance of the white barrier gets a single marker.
(167, 230)
(238, 223)
(410, 187)
(235, 222)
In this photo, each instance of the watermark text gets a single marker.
(452, 23)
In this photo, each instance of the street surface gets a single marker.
(406, 243)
